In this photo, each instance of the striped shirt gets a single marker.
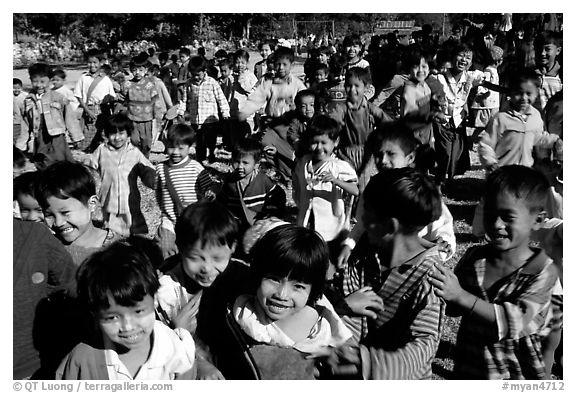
(511, 347)
(204, 102)
(402, 341)
(190, 180)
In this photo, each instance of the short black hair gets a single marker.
(304, 93)
(141, 60)
(523, 183)
(405, 194)
(207, 222)
(118, 122)
(122, 270)
(39, 70)
(548, 37)
(359, 73)
(197, 63)
(16, 81)
(322, 125)
(225, 62)
(220, 53)
(25, 184)
(248, 147)
(412, 58)
(184, 51)
(395, 132)
(97, 53)
(59, 72)
(63, 180)
(283, 52)
(350, 40)
(18, 157)
(180, 134)
(521, 76)
(271, 44)
(242, 54)
(291, 251)
(163, 56)
(462, 48)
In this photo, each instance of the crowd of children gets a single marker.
(353, 282)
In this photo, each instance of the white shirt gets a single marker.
(103, 89)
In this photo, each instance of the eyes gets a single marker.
(108, 318)
(299, 286)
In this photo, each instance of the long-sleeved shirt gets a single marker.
(142, 100)
(205, 102)
(550, 85)
(277, 94)
(402, 341)
(18, 107)
(103, 89)
(244, 84)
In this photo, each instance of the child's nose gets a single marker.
(58, 220)
(282, 290)
(127, 323)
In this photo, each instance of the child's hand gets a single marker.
(445, 283)
(443, 245)
(327, 177)
(343, 257)
(270, 150)
(365, 302)
(207, 371)
(90, 114)
(186, 318)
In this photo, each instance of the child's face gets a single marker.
(30, 210)
(118, 139)
(281, 297)
(69, 218)
(225, 71)
(183, 58)
(306, 107)
(128, 327)
(177, 153)
(322, 147)
(16, 89)
(321, 76)
(353, 51)
(546, 54)
(391, 156)
(203, 264)
(282, 66)
(525, 96)
(508, 222)
(197, 76)
(40, 83)
(139, 72)
(420, 72)
(57, 82)
(323, 58)
(355, 89)
(241, 64)
(93, 65)
(445, 66)
(244, 165)
(265, 51)
(463, 61)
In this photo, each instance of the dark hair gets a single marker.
(184, 51)
(151, 51)
(196, 64)
(225, 62)
(522, 76)
(462, 48)
(118, 122)
(18, 157)
(337, 64)
(294, 252)
(524, 183)
(39, 70)
(304, 93)
(174, 57)
(322, 67)
(406, 195)
(122, 270)
(350, 40)
(63, 180)
(95, 53)
(395, 132)
(59, 72)
(25, 184)
(283, 52)
(180, 134)
(220, 53)
(269, 43)
(242, 54)
(207, 222)
(163, 56)
(106, 69)
(248, 147)
(324, 50)
(548, 37)
(16, 81)
(322, 125)
(412, 58)
(153, 67)
(359, 73)
(140, 60)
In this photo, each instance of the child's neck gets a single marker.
(92, 238)
(298, 326)
(354, 60)
(135, 358)
(403, 249)
(318, 163)
(513, 258)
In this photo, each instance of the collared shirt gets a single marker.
(103, 89)
(206, 101)
(457, 91)
(18, 107)
(142, 100)
(277, 95)
(550, 85)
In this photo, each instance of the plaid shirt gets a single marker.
(511, 347)
(402, 341)
(206, 101)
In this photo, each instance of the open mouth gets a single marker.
(65, 231)
(132, 338)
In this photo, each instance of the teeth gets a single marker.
(67, 230)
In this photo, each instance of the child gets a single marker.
(282, 140)
(487, 103)
(144, 105)
(226, 79)
(44, 120)
(24, 194)
(73, 114)
(401, 339)
(180, 181)
(246, 191)
(276, 94)
(17, 107)
(118, 286)
(120, 164)
(320, 182)
(548, 47)
(288, 309)
(92, 91)
(67, 193)
(266, 48)
(503, 289)
(353, 48)
(321, 74)
(205, 103)
(392, 148)
(244, 84)
(358, 118)
(332, 93)
(202, 279)
(182, 75)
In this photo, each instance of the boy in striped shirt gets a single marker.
(180, 181)
(397, 316)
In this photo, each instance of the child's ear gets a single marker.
(92, 203)
(410, 158)
(233, 247)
